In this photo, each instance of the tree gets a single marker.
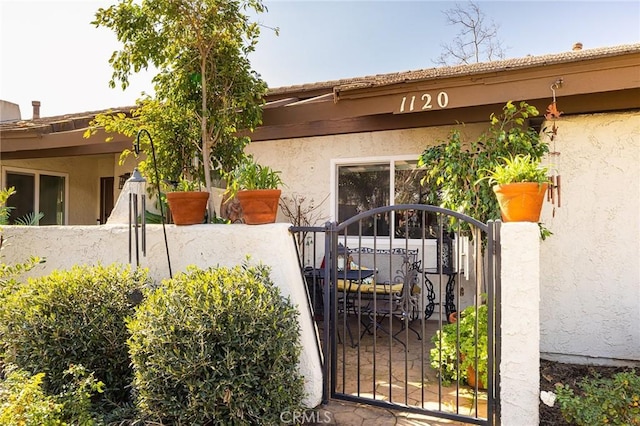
(477, 41)
(205, 89)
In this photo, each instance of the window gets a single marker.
(362, 187)
(37, 192)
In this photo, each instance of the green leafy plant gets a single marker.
(219, 345)
(461, 345)
(71, 317)
(516, 169)
(187, 185)
(249, 175)
(25, 403)
(456, 168)
(600, 401)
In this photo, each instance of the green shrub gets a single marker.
(217, 346)
(23, 402)
(472, 347)
(599, 401)
(72, 317)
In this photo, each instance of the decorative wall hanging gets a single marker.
(553, 191)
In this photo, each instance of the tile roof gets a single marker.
(81, 120)
(58, 123)
(460, 70)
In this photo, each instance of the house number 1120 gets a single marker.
(425, 102)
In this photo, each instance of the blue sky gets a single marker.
(50, 52)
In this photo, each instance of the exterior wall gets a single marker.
(306, 163)
(84, 182)
(520, 328)
(201, 245)
(590, 277)
(590, 306)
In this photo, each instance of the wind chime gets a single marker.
(553, 192)
(137, 222)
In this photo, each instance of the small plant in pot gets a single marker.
(187, 203)
(456, 359)
(520, 184)
(257, 188)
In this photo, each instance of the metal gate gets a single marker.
(406, 300)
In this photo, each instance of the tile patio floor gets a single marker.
(422, 388)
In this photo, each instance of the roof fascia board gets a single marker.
(463, 92)
(70, 151)
(57, 140)
(578, 104)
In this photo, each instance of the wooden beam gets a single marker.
(71, 151)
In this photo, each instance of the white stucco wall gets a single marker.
(590, 287)
(520, 330)
(200, 245)
(306, 162)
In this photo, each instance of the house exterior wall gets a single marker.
(590, 267)
(84, 182)
(306, 163)
(590, 295)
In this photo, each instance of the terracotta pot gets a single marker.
(259, 206)
(520, 202)
(188, 207)
(471, 378)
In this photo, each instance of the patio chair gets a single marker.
(394, 301)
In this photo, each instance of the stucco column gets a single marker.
(520, 356)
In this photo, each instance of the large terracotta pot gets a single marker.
(259, 206)
(188, 207)
(471, 378)
(520, 202)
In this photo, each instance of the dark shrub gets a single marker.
(73, 317)
(217, 346)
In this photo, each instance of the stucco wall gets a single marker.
(306, 165)
(201, 245)
(590, 295)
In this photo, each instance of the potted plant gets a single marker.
(257, 188)
(520, 184)
(456, 167)
(187, 203)
(456, 358)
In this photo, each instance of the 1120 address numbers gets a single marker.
(424, 102)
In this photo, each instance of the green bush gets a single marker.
(458, 354)
(600, 401)
(23, 402)
(73, 317)
(217, 346)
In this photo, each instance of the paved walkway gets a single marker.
(403, 370)
(353, 414)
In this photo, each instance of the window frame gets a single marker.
(362, 161)
(37, 173)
